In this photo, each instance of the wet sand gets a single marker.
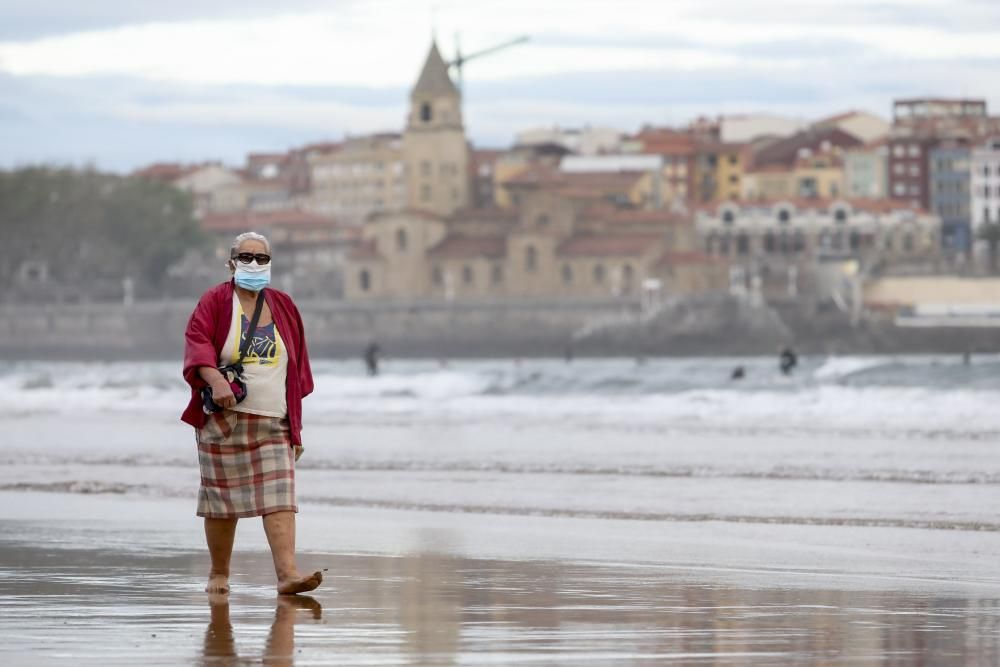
(128, 590)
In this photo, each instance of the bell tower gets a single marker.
(434, 146)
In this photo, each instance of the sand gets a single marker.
(118, 581)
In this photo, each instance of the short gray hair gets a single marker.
(248, 236)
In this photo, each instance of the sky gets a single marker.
(119, 84)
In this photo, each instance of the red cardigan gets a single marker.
(206, 335)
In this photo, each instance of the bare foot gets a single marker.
(217, 583)
(300, 584)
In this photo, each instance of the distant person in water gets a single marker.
(738, 373)
(371, 355)
(787, 361)
(249, 433)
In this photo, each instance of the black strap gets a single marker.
(251, 330)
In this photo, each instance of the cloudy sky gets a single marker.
(120, 83)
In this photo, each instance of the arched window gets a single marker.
(468, 277)
(364, 280)
(712, 245)
(840, 215)
(728, 217)
(855, 240)
(567, 274)
(530, 258)
(784, 216)
(425, 112)
(401, 240)
(628, 277)
(838, 240)
(742, 244)
(599, 273)
(799, 241)
(784, 242)
(769, 242)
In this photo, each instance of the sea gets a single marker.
(893, 441)
(532, 511)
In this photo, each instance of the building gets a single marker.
(865, 126)
(363, 175)
(482, 177)
(781, 244)
(585, 141)
(985, 193)
(677, 149)
(950, 194)
(814, 140)
(435, 150)
(563, 240)
(309, 250)
(744, 128)
(810, 177)
(866, 170)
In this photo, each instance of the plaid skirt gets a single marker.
(247, 466)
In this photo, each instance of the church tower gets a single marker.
(434, 146)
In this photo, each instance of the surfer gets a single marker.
(371, 358)
(787, 361)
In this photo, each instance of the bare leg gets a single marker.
(280, 530)
(219, 533)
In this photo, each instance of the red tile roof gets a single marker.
(606, 245)
(244, 220)
(166, 172)
(365, 250)
(457, 246)
(492, 214)
(623, 216)
(547, 177)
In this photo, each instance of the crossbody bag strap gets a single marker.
(251, 330)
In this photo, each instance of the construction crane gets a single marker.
(459, 60)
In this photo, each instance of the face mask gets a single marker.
(251, 276)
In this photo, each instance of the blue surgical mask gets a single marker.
(251, 276)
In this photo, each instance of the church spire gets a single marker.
(434, 80)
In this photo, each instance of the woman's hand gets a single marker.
(222, 393)
(298, 451)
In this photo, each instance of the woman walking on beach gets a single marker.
(248, 422)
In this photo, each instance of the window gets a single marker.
(899, 189)
(628, 276)
(837, 241)
(914, 170)
(567, 274)
(425, 193)
(401, 240)
(542, 220)
(710, 244)
(425, 112)
(496, 275)
(727, 217)
(769, 242)
(724, 246)
(898, 150)
(784, 216)
(468, 276)
(734, 159)
(798, 241)
(784, 243)
(437, 277)
(599, 273)
(855, 241)
(364, 280)
(530, 258)
(742, 244)
(914, 150)
(425, 168)
(908, 243)
(986, 170)
(840, 215)
(898, 168)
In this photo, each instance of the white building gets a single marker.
(741, 128)
(985, 185)
(585, 141)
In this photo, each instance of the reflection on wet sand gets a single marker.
(220, 640)
(69, 607)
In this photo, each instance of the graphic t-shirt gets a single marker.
(264, 367)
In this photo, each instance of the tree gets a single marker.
(91, 229)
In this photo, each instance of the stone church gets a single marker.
(592, 234)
